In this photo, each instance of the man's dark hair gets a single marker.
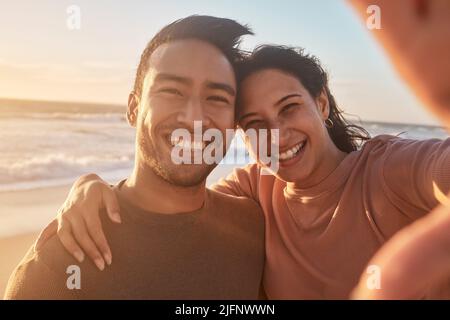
(225, 34)
(308, 70)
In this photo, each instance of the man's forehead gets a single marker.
(191, 59)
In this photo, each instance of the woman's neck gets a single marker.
(329, 163)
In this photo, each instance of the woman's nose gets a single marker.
(279, 134)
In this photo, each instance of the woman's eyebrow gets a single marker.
(287, 97)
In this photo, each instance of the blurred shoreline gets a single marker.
(8, 105)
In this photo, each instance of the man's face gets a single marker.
(187, 81)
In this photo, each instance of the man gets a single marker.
(178, 240)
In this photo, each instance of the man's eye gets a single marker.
(218, 99)
(170, 91)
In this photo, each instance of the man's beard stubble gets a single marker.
(182, 175)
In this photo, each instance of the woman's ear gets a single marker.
(323, 104)
(133, 108)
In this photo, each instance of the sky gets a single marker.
(41, 58)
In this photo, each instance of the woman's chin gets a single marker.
(290, 175)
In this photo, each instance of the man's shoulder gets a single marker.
(53, 254)
(217, 198)
(56, 259)
(243, 208)
(42, 273)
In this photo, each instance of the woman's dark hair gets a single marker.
(307, 69)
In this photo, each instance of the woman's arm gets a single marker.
(415, 258)
(413, 170)
(411, 30)
(78, 223)
(242, 182)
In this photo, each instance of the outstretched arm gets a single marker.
(415, 258)
(416, 37)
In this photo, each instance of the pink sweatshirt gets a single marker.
(319, 240)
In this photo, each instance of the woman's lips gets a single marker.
(296, 158)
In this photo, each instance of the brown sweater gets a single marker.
(216, 252)
(320, 239)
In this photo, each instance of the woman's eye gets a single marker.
(289, 107)
(254, 124)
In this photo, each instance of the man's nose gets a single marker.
(193, 111)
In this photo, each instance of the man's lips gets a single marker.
(193, 144)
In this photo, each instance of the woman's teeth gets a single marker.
(289, 154)
(187, 144)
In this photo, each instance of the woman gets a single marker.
(330, 206)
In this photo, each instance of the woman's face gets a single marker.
(273, 99)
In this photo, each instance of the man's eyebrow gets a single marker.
(171, 77)
(287, 97)
(247, 115)
(221, 86)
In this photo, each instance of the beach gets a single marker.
(19, 234)
(12, 250)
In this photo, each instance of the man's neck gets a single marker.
(152, 193)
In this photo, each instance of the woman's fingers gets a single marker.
(50, 230)
(67, 239)
(84, 239)
(95, 230)
(111, 204)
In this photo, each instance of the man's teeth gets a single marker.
(289, 154)
(187, 144)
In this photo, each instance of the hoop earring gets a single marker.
(329, 123)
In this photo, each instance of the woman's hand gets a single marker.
(416, 36)
(78, 223)
(415, 258)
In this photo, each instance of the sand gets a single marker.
(36, 208)
(12, 250)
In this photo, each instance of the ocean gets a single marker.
(50, 144)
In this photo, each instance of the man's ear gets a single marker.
(133, 108)
(323, 105)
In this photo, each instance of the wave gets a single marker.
(64, 116)
(51, 168)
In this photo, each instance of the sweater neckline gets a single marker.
(147, 217)
(328, 185)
